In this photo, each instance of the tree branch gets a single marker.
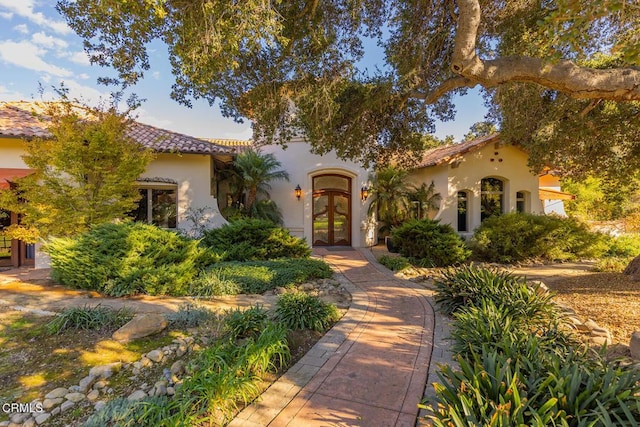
(620, 84)
(447, 86)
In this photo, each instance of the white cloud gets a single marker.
(27, 55)
(7, 94)
(83, 76)
(48, 41)
(144, 116)
(88, 94)
(80, 58)
(24, 8)
(6, 15)
(156, 75)
(45, 78)
(22, 28)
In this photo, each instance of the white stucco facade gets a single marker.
(302, 167)
(465, 172)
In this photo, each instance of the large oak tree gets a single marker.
(259, 58)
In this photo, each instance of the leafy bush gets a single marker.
(298, 310)
(190, 315)
(611, 265)
(428, 243)
(213, 282)
(470, 285)
(127, 259)
(625, 246)
(256, 277)
(254, 239)
(248, 322)
(515, 237)
(394, 263)
(96, 317)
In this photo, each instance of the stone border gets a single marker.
(270, 403)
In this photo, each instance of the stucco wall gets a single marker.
(193, 174)
(505, 162)
(12, 151)
(302, 166)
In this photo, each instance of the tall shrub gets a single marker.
(127, 259)
(254, 239)
(429, 243)
(519, 236)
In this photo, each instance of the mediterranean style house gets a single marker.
(482, 177)
(325, 201)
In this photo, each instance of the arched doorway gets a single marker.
(331, 210)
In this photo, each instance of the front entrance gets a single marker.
(331, 210)
(14, 253)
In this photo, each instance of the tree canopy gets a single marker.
(293, 66)
(84, 173)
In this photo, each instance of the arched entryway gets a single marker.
(331, 210)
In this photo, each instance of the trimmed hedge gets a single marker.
(515, 237)
(427, 243)
(128, 259)
(254, 240)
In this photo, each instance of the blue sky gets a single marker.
(37, 47)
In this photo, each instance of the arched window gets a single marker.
(463, 211)
(491, 197)
(522, 201)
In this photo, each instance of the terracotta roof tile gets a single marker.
(448, 153)
(238, 145)
(21, 119)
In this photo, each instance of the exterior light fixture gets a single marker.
(298, 191)
(364, 193)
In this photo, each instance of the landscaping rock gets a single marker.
(99, 385)
(86, 383)
(142, 325)
(591, 324)
(67, 405)
(155, 356)
(19, 418)
(600, 340)
(4, 423)
(30, 422)
(105, 371)
(75, 397)
(42, 417)
(56, 393)
(177, 368)
(55, 411)
(50, 403)
(93, 395)
(145, 362)
(171, 391)
(137, 395)
(634, 345)
(99, 405)
(181, 350)
(633, 269)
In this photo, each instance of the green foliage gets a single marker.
(256, 277)
(601, 199)
(469, 285)
(151, 411)
(479, 130)
(254, 239)
(423, 200)
(627, 246)
(190, 315)
(213, 282)
(87, 317)
(516, 236)
(428, 243)
(248, 322)
(84, 174)
(518, 366)
(128, 259)
(394, 263)
(298, 310)
(389, 196)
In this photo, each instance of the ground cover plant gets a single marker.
(128, 259)
(517, 236)
(254, 239)
(522, 367)
(298, 310)
(427, 243)
(88, 317)
(394, 263)
(256, 277)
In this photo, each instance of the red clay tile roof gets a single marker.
(440, 155)
(20, 119)
(238, 145)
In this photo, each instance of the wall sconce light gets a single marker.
(298, 191)
(364, 193)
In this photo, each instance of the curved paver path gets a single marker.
(370, 369)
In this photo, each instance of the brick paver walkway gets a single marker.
(370, 369)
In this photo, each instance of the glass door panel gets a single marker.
(321, 220)
(340, 220)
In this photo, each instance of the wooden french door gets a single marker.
(331, 210)
(14, 253)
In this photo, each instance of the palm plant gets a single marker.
(389, 191)
(424, 199)
(255, 171)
